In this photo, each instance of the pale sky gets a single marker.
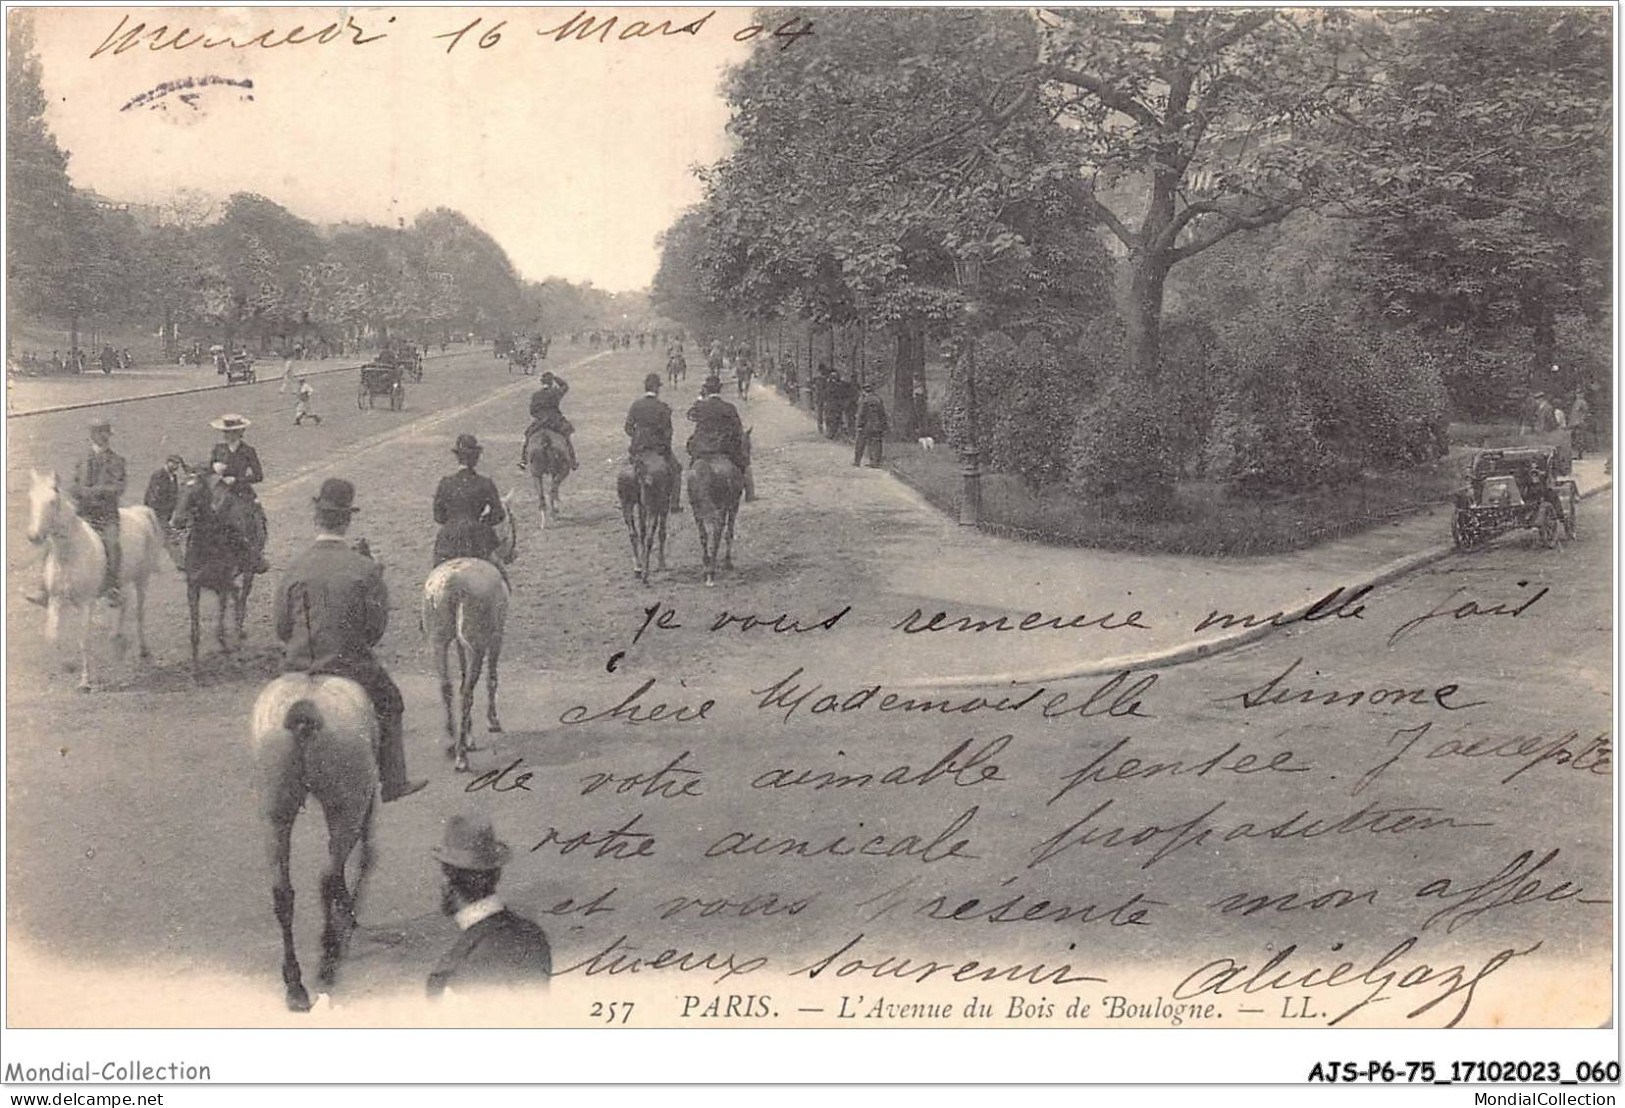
(573, 155)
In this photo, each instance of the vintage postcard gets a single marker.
(810, 518)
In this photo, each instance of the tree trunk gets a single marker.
(910, 368)
(1145, 317)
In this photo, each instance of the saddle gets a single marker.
(548, 441)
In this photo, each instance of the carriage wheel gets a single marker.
(1571, 514)
(1546, 524)
(397, 397)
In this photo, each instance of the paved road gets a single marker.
(132, 847)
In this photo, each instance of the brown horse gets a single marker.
(315, 736)
(216, 557)
(715, 485)
(645, 486)
(548, 464)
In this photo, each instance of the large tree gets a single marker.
(1193, 125)
(1482, 170)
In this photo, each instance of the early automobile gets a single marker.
(239, 368)
(382, 380)
(1513, 488)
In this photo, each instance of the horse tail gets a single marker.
(302, 720)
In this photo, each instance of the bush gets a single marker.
(1028, 407)
(1313, 399)
(1121, 450)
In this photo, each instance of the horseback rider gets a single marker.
(332, 608)
(98, 483)
(467, 507)
(164, 489)
(546, 416)
(236, 465)
(718, 431)
(648, 425)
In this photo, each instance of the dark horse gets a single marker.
(216, 556)
(645, 487)
(676, 368)
(548, 465)
(714, 487)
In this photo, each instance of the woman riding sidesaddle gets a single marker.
(467, 507)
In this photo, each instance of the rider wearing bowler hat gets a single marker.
(332, 608)
(467, 507)
(545, 414)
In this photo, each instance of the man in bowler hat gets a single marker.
(498, 948)
(331, 609)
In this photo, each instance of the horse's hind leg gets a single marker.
(194, 600)
(660, 526)
(728, 557)
(220, 621)
(440, 649)
(492, 722)
(470, 689)
(84, 647)
(284, 809)
(142, 650)
(347, 823)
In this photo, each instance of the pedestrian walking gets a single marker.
(305, 408)
(870, 427)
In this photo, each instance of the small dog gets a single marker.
(928, 443)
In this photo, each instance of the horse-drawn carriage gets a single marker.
(387, 380)
(238, 368)
(410, 358)
(1515, 488)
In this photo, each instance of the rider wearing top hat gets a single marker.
(237, 467)
(648, 426)
(332, 608)
(467, 507)
(545, 415)
(717, 430)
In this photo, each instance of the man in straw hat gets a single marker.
(497, 948)
(237, 467)
(331, 609)
(468, 507)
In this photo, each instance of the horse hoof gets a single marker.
(710, 583)
(84, 686)
(461, 765)
(146, 654)
(494, 727)
(298, 999)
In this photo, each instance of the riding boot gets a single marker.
(392, 759)
(570, 449)
(115, 559)
(256, 538)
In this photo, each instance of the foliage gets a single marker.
(1027, 426)
(1313, 399)
(1120, 448)
(1483, 170)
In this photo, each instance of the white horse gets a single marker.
(75, 562)
(465, 601)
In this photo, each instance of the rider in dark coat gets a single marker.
(648, 425)
(332, 608)
(467, 507)
(545, 415)
(163, 489)
(717, 430)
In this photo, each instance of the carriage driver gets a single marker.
(237, 466)
(717, 428)
(545, 415)
(98, 483)
(648, 425)
(467, 507)
(332, 608)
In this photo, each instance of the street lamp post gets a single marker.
(969, 274)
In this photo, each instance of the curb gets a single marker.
(1196, 650)
(82, 404)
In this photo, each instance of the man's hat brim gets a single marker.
(464, 858)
